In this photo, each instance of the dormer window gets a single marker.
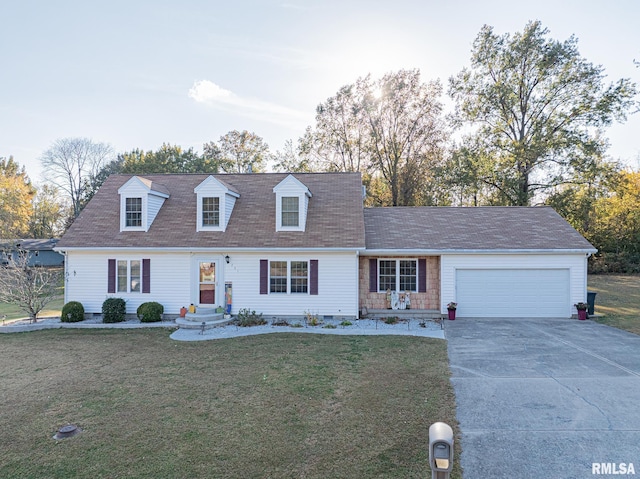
(292, 204)
(140, 202)
(215, 200)
(210, 211)
(133, 212)
(290, 211)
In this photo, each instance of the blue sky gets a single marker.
(136, 74)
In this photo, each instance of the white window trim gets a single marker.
(397, 260)
(123, 213)
(128, 291)
(289, 277)
(221, 213)
(279, 226)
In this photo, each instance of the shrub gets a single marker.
(346, 323)
(150, 312)
(113, 310)
(249, 318)
(391, 320)
(312, 319)
(329, 326)
(72, 312)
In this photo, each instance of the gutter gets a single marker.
(435, 252)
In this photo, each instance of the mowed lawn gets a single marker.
(618, 300)
(272, 406)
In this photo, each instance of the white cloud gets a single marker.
(212, 95)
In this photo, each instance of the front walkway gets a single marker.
(406, 327)
(552, 398)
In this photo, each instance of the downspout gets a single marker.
(66, 277)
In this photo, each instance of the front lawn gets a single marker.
(273, 406)
(618, 300)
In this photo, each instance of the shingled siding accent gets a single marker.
(429, 299)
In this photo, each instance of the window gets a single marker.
(211, 211)
(289, 277)
(299, 277)
(133, 212)
(408, 275)
(398, 275)
(278, 277)
(129, 276)
(387, 270)
(290, 208)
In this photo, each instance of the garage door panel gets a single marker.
(512, 292)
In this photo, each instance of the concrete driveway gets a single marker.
(545, 398)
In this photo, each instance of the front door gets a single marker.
(207, 283)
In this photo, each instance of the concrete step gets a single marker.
(204, 314)
(184, 323)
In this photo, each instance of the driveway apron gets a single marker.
(545, 398)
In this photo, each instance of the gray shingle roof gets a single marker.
(481, 228)
(334, 220)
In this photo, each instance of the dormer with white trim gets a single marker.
(292, 203)
(215, 201)
(140, 201)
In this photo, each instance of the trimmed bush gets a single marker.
(150, 312)
(113, 310)
(72, 312)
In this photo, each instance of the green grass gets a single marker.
(272, 406)
(618, 300)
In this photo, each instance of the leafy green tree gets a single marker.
(537, 110)
(16, 199)
(70, 163)
(615, 230)
(49, 214)
(167, 159)
(238, 152)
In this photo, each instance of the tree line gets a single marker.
(527, 128)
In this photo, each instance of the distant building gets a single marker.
(40, 251)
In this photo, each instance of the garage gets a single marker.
(512, 292)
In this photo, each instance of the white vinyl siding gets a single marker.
(87, 280)
(337, 285)
(172, 278)
(574, 265)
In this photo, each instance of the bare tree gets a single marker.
(28, 287)
(71, 163)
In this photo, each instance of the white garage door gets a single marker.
(512, 292)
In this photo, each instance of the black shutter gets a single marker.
(422, 275)
(313, 276)
(373, 275)
(146, 275)
(264, 276)
(111, 276)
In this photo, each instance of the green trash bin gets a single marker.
(591, 301)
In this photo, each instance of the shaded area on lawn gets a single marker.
(618, 299)
(278, 406)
